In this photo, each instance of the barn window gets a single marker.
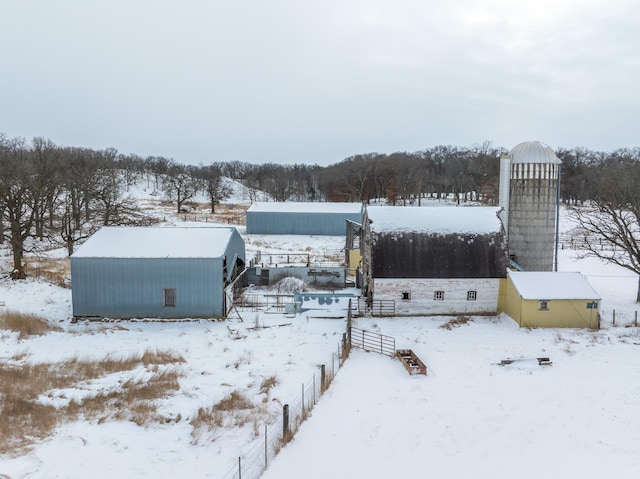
(438, 295)
(169, 297)
(472, 295)
(543, 305)
(406, 295)
(592, 305)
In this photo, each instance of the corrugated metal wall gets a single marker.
(133, 287)
(299, 223)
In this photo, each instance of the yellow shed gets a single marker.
(542, 299)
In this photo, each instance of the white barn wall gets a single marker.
(455, 295)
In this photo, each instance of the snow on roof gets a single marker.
(440, 220)
(154, 242)
(552, 285)
(306, 207)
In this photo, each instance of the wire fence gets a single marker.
(276, 435)
(619, 317)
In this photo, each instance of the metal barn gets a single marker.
(434, 260)
(302, 218)
(168, 273)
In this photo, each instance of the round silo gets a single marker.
(531, 211)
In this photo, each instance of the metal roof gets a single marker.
(533, 152)
(540, 285)
(156, 242)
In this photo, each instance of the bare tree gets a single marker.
(16, 196)
(179, 185)
(610, 225)
(215, 186)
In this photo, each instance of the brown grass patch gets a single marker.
(267, 384)
(54, 270)
(25, 388)
(234, 401)
(26, 324)
(234, 410)
(456, 322)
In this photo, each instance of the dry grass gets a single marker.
(25, 390)
(267, 384)
(234, 401)
(54, 270)
(456, 322)
(234, 410)
(25, 325)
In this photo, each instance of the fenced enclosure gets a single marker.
(618, 317)
(328, 256)
(276, 435)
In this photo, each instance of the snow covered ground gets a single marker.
(470, 417)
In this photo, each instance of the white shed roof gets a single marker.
(155, 242)
(439, 220)
(552, 285)
(306, 207)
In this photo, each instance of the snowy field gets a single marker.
(470, 417)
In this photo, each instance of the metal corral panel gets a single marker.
(134, 287)
(301, 222)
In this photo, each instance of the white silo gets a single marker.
(529, 198)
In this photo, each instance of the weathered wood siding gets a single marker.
(421, 255)
(420, 293)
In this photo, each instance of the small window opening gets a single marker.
(438, 295)
(169, 298)
(406, 295)
(472, 295)
(543, 305)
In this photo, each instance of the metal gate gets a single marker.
(374, 342)
(379, 307)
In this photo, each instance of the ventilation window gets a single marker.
(438, 295)
(472, 295)
(169, 298)
(543, 305)
(592, 305)
(406, 295)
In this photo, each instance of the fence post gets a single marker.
(344, 346)
(239, 468)
(614, 317)
(285, 423)
(635, 320)
(333, 365)
(323, 379)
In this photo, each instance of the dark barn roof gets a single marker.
(423, 255)
(437, 242)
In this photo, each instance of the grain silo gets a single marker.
(528, 193)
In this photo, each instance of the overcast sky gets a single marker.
(305, 81)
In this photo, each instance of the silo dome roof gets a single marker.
(533, 152)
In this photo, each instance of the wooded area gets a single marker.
(62, 194)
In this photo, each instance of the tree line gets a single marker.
(63, 193)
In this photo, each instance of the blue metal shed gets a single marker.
(169, 273)
(291, 218)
